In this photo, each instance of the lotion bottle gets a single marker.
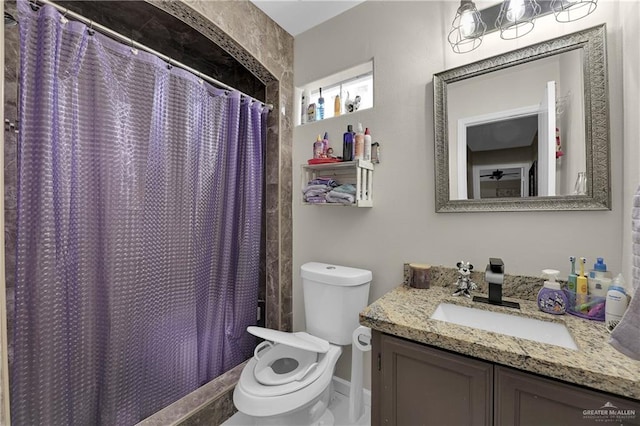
(359, 144)
(337, 106)
(551, 298)
(616, 303)
(599, 279)
(367, 145)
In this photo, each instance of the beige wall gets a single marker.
(408, 43)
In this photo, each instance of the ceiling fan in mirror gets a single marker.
(499, 174)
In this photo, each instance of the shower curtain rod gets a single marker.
(95, 26)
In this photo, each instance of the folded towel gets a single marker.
(323, 181)
(346, 188)
(340, 197)
(323, 188)
(316, 199)
(315, 193)
(626, 336)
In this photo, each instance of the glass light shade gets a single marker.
(516, 18)
(572, 10)
(467, 28)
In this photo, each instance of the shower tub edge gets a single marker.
(212, 402)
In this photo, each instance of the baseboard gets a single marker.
(343, 387)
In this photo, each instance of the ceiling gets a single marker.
(297, 16)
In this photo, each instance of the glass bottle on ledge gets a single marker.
(580, 187)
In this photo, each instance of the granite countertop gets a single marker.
(406, 311)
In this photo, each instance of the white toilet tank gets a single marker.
(333, 297)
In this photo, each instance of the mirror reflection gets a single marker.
(526, 130)
(518, 132)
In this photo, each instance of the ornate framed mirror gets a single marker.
(526, 130)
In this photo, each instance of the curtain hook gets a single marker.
(133, 49)
(200, 79)
(63, 18)
(91, 31)
(169, 64)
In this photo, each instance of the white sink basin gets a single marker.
(511, 325)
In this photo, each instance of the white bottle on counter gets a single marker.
(616, 303)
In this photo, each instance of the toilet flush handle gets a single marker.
(260, 347)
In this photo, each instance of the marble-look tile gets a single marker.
(406, 312)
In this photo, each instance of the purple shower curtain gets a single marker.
(139, 215)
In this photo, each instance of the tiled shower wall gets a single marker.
(267, 51)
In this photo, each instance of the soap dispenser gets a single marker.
(551, 298)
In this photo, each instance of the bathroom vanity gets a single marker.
(427, 371)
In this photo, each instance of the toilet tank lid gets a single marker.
(334, 274)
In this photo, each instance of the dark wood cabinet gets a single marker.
(419, 385)
(415, 384)
(524, 399)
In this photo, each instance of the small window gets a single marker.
(354, 86)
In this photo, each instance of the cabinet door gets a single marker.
(414, 384)
(523, 399)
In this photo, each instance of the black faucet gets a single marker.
(494, 276)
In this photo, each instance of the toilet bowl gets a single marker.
(283, 381)
(288, 380)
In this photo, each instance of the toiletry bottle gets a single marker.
(367, 145)
(318, 148)
(320, 107)
(616, 303)
(347, 144)
(337, 106)
(573, 278)
(359, 144)
(581, 286)
(551, 298)
(599, 279)
(325, 144)
(304, 106)
(375, 152)
(311, 113)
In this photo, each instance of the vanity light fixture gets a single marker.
(513, 18)
(572, 10)
(517, 18)
(467, 28)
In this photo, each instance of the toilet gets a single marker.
(288, 380)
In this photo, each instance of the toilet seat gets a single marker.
(281, 364)
(293, 362)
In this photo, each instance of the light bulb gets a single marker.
(516, 10)
(467, 23)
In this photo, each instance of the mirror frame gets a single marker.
(592, 41)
